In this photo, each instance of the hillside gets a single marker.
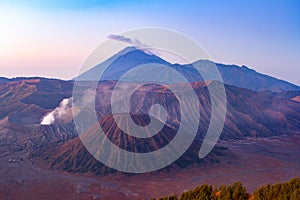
(249, 115)
(130, 57)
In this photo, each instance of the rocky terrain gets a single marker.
(42, 156)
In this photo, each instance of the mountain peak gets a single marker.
(121, 62)
(131, 57)
(133, 53)
(127, 50)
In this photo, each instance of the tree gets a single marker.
(278, 191)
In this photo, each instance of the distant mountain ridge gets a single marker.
(250, 79)
(131, 57)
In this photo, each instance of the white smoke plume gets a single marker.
(167, 55)
(65, 112)
(48, 119)
(62, 112)
(124, 39)
(135, 42)
(121, 38)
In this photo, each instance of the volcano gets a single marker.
(259, 142)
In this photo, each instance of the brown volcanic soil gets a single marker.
(72, 156)
(249, 114)
(259, 161)
(253, 161)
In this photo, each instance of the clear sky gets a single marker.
(52, 38)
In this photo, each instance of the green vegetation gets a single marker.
(278, 191)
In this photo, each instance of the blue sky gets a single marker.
(52, 38)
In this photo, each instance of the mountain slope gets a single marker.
(249, 115)
(118, 64)
(248, 78)
(72, 155)
(131, 57)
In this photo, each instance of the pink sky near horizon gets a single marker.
(37, 41)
